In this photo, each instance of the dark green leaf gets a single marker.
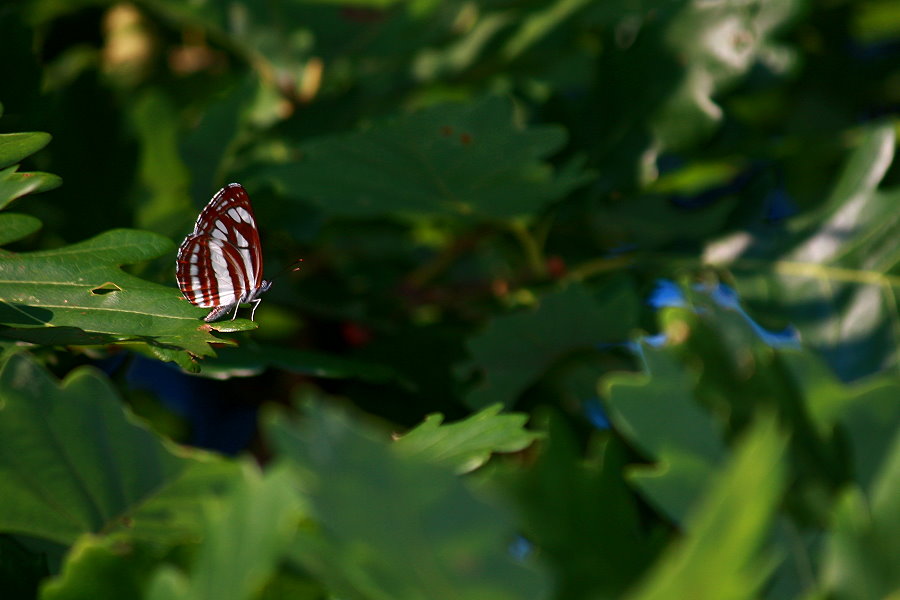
(515, 350)
(659, 414)
(451, 159)
(580, 513)
(867, 411)
(862, 549)
(249, 360)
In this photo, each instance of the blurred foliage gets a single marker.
(598, 300)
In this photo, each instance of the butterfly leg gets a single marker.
(255, 304)
(236, 306)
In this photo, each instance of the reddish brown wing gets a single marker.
(229, 217)
(210, 272)
(220, 264)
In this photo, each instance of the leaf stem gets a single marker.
(534, 254)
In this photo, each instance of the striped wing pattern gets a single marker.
(219, 265)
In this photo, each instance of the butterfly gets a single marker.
(220, 264)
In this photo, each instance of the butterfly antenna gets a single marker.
(294, 266)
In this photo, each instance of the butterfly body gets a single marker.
(219, 265)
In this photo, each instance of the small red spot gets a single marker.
(465, 138)
(355, 335)
(500, 287)
(446, 131)
(556, 267)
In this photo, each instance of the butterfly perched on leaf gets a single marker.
(219, 265)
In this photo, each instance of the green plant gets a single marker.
(598, 300)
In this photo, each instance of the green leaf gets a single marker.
(455, 159)
(860, 558)
(392, 525)
(867, 411)
(252, 359)
(165, 204)
(14, 227)
(515, 350)
(659, 414)
(719, 557)
(467, 444)
(244, 540)
(78, 295)
(72, 461)
(717, 44)
(175, 513)
(14, 147)
(582, 516)
(103, 568)
(834, 274)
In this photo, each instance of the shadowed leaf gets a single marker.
(451, 159)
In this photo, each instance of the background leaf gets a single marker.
(432, 163)
(720, 556)
(72, 461)
(659, 414)
(468, 444)
(420, 534)
(245, 538)
(14, 227)
(834, 274)
(514, 350)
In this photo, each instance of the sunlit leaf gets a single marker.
(719, 557)
(834, 276)
(13, 148)
(78, 295)
(103, 568)
(467, 444)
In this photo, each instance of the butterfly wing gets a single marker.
(210, 272)
(229, 217)
(220, 264)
